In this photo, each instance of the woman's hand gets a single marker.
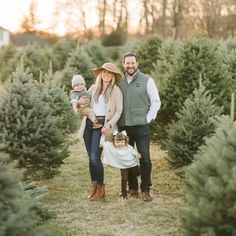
(105, 128)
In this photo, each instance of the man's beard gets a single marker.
(130, 74)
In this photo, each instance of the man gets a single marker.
(141, 103)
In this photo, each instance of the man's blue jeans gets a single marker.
(92, 140)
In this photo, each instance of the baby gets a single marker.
(79, 90)
(121, 155)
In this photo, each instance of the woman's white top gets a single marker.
(99, 107)
(121, 158)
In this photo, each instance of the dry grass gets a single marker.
(113, 216)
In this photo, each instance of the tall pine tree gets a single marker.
(17, 216)
(210, 185)
(194, 123)
(148, 53)
(21, 208)
(199, 56)
(53, 95)
(162, 69)
(29, 128)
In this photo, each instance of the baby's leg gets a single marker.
(124, 180)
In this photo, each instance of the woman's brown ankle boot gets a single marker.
(98, 195)
(103, 191)
(94, 189)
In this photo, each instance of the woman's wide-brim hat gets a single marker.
(110, 67)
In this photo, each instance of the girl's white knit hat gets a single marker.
(77, 79)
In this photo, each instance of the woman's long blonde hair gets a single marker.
(98, 87)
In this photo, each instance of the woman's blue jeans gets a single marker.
(92, 140)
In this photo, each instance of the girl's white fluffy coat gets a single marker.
(121, 158)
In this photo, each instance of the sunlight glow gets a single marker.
(12, 13)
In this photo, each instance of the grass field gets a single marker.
(112, 215)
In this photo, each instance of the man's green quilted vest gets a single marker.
(136, 103)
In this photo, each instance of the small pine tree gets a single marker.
(194, 123)
(6, 53)
(53, 95)
(29, 128)
(78, 63)
(210, 185)
(96, 51)
(148, 53)
(116, 38)
(22, 209)
(60, 53)
(35, 58)
(17, 216)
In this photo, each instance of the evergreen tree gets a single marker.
(60, 53)
(79, 62)
(230, 60)
(36, 58)
(96, 51)
(148, 53)
(21, 209)
(29, 128)
(196, 57)
(161, 72)
(210, 185)
(17, 216)
(194, 123)
(117, 37)
(6, 53)
(53, 95)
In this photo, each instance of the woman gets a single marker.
(106, 101)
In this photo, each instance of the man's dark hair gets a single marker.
(130, 54)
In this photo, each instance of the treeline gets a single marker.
(167, 18)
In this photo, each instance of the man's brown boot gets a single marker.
(94, 189)
(133, 193)
(146, 197)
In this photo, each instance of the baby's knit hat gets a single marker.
(77, 79)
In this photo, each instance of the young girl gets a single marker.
(120, 154)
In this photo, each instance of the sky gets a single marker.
(13, 11)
